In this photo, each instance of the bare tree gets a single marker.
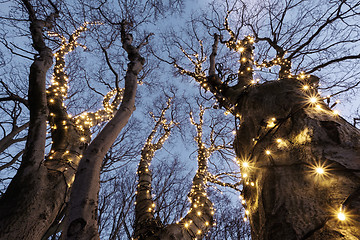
(299, 159)
(199, 219)
(46, 183)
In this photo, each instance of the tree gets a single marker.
(197, 222)
(299, 159)
(38, 183)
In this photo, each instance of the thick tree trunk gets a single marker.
(284, 138)
(33, 197)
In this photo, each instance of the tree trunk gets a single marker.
(287, 139)
(33, 197)
(81, 222)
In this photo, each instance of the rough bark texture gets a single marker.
(289, 200)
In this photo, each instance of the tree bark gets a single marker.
(33, 196)
(82, 213)
(284, 138)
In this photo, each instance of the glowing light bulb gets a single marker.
(245, 164)
(320, 170)
(341, 216)
(267, 152)
(313, 100)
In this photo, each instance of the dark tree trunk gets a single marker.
(35, 195)
(284, 137)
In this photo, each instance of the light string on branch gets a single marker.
(307, 88)
(199, 218)
(145, 223)
(63, 125)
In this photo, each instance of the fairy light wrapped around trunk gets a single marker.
(145, 224)
(299, 159)
(72, 134)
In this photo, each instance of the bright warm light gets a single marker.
(341, 216)
(313, 100)
(279, 140)
(267, 152)
(245, 164)
(320, 170)
(271, 123)
(82, 139)
(305, 87)
(186, 225)
(336, 112)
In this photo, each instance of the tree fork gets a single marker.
(32, 182)
(81, 222)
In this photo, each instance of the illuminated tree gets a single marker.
(199, 219)
(44, 185)
(299, 159)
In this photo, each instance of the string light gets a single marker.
(245, 164)
(341, 215)
(320, 170)
(306, 88)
